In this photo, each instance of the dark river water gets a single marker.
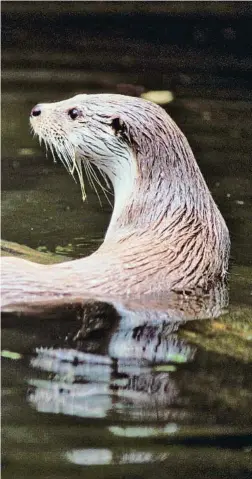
(141, 397)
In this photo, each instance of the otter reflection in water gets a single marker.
(121, 358)
(166, 232)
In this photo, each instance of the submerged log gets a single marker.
(9, 248)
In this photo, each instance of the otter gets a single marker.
(166, 233)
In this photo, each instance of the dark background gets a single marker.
(210, 41)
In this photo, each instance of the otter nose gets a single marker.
(36, 111)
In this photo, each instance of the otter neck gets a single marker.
(152, 192)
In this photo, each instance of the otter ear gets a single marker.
(121, 128)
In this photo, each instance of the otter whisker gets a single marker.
(90, 179)
(53, 153)
(92, 182)
(108, 185)
(70, 157)
(99, 183)
(65, 157)
(79, 169)
(46, 147)
(87, 174)
(68, 161)
(97, 178)
(32, 132)
(61, 156)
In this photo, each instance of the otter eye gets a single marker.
(73, 113)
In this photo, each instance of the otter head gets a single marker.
(133, 141)
(87, 130)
